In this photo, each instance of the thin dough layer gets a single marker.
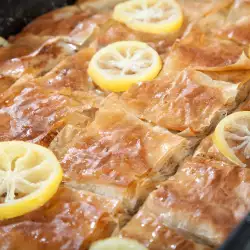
(147, 227)
(118, 155)
(72, 219)
(191, 105)
(206, 199)
(36, 63)
(31, 113)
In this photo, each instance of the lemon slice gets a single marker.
(29, 176)
(117, 244)
(232, 137)
(121, 64)
(150, 16)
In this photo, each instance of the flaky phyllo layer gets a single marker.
(130, 168)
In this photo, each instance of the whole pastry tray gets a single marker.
(15, 14)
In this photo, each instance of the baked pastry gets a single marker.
(188, 62)
(36, 63)
(73, 219)
(70, 73)
(148, 227)
(189, 105)
(236, 23)
(206, 199)
(118, 155)
(70, 23)
(32, 113)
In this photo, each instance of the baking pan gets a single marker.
(15, 14)
(240, 238)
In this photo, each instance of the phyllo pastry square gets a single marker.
(118, 155)
(33, 113)
(70, 73)
(196, 10)
(36, 63)
(70, 22)
(204, 51)
(113, 31)
(72, 219)
(206, 199)
(70, 78)
(193, 10)
(237, 22)
(191, 104)
(22, 47)
(148, 228)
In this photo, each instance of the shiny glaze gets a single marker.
(209, 150)
(237, 32)
(198, 9)
(114, 31)
(70, 220)
(71, 73)
(37, 62)
(205, 51)
(205, 198)
(69, 22)
(58, 22)
(118, 149)
(237, 23)
(22, 47)
(190, 103)
(34, 114)
(239, 77)
(147, 227)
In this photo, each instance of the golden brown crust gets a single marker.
(204, 51)
(237, 22)
(207, 149)
(195, 10)
(113, 146)
(22, 47)
(70, 220)
(191, 104)
(36, 63)
(70, 74)
(31, 113)
(119, 155)
(147, 227)
(58, 22)
(205, 198)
